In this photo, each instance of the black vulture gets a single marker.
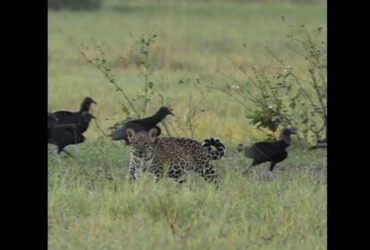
(84, 122)
(63, 135)
(52, 122)
(273, 152)
(141, 124)
(323, 143)
(68, 117)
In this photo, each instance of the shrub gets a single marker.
(287, 99)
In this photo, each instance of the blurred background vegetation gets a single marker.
(226, 67)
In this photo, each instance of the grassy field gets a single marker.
(90, 203)
(92, 206)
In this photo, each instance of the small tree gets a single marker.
(286, 99)
(137, 106)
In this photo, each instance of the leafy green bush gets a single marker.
(286, 98)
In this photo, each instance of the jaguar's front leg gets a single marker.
(156, 168)
(136, 167)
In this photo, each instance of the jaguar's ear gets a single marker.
(130, 133)
(153, 132)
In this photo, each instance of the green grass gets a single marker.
(87, 210)
(92, 206)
